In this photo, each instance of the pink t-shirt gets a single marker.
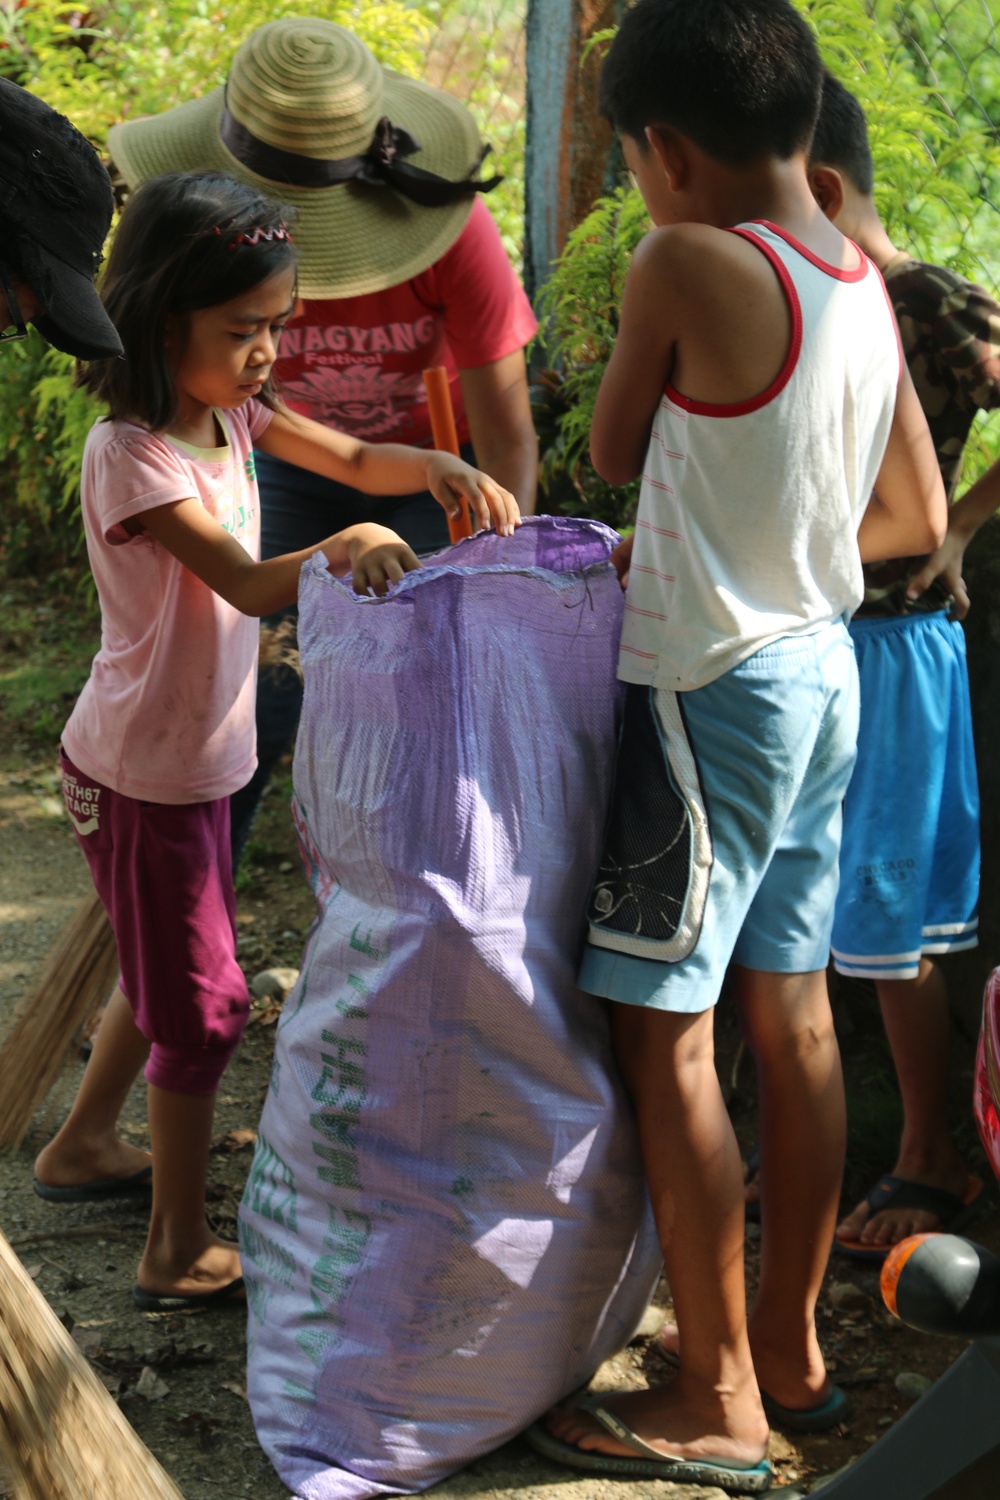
(168, 712)
(354, 362)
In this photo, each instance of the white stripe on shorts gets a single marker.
(951, 929)
(958, 945)
(877, 958)
(863, 971)
(955, 937)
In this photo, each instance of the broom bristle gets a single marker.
(76, 979)
(62, 1437)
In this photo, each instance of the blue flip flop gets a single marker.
(820, 1418)
(734, 1478)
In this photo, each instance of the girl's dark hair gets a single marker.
(167, 260)
(841, 138)
(740, 78)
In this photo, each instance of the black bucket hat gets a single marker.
(55, 212)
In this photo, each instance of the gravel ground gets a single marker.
(180, 1380)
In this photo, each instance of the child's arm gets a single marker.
(964, 345)
(908, 514)
(980, 501)
(376, 557)
(632, 385)
(702, 309)
(389, 468)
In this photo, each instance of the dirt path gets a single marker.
(195, 1417)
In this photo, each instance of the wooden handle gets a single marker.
(445, 434)
(77, 979)
(62, 1436)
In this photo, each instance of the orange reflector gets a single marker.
(892, 1267)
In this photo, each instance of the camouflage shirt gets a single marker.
(950, 331)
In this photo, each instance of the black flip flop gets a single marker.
(232, 1294)
(140, 1184)
(952, 1211)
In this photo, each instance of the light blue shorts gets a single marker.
(909, 866)
(724, 832)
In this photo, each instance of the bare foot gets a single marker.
(668, 1342)
(72, 1163)
(674, 1422)
(800, 1389)
(891, 1225)
(214, 1266)
(789, 1364)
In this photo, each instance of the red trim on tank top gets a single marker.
(858, 274)
(784, 375)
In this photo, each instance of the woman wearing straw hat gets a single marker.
(401, 267)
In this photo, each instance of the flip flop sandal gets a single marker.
(953, 1212)
(820, 1418)
(232, 1294)
(734, 1478)
(140, 1184)
(835, 1408)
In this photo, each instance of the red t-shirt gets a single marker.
(354, 362)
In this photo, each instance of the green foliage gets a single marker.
(44, 421)
(50, 634)
(121, 59)
(929, 80)
(579, 308)
(40, 441)
(935, 156)
(478, 55)
(68, 414)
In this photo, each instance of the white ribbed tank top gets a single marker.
(749, 512)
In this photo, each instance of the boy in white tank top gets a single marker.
(757, 386)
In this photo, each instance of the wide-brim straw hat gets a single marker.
(311, 88)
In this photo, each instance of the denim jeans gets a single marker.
(300, 509)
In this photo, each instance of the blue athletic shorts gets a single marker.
(909, 866)
(724, 830)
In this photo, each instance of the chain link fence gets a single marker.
(957, 40)
(953, 47)
(478, 55)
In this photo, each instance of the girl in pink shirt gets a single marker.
(200, 283)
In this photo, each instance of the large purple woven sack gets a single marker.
(445, 1228)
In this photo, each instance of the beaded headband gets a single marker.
(254, 237)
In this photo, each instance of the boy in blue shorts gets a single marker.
(757, 386)
(910, 856)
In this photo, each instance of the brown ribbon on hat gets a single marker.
(380, 166)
